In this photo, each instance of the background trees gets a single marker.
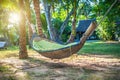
(108, 27)
(60, 13)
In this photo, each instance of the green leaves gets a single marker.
(106, 30)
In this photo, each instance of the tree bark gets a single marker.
(51, 29)
(22, 33)
(38, 19)
(30, 32)
(73, 31)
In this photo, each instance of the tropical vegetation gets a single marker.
(55, 20)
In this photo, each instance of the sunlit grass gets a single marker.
(101, 47)
(13, 51)
(8, 53)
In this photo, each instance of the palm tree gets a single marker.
(22, 33)
(28, 14)
(38, 19)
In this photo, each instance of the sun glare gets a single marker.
(14, 18)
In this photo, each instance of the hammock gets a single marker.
(58, 51)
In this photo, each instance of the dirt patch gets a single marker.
(76, 67)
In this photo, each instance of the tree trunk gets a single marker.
(38, 19)
(22, 33)
(51, 29)
(73, 31)
(65, 22)
(30, 32)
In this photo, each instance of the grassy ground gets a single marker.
(94, 47)
(47, 69)
(101, 47)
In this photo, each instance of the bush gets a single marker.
(106, 30)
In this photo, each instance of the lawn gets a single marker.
(80, 67)
(90, 47)
(101, 47)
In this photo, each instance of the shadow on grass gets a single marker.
(5, 73)
(48, 64)
(57, 69)
(87, 74)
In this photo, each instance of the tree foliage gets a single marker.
(107, 29)
(60, 9)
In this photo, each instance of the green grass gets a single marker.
(13, 48)
(101, 47)
(95, 47)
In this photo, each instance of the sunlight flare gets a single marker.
(14, 18)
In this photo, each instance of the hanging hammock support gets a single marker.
(72, 49)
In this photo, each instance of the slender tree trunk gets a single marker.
(38, 19)
(73, 31)
(22, 33)
(51, 29)
(65, 22)
(30, 32)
